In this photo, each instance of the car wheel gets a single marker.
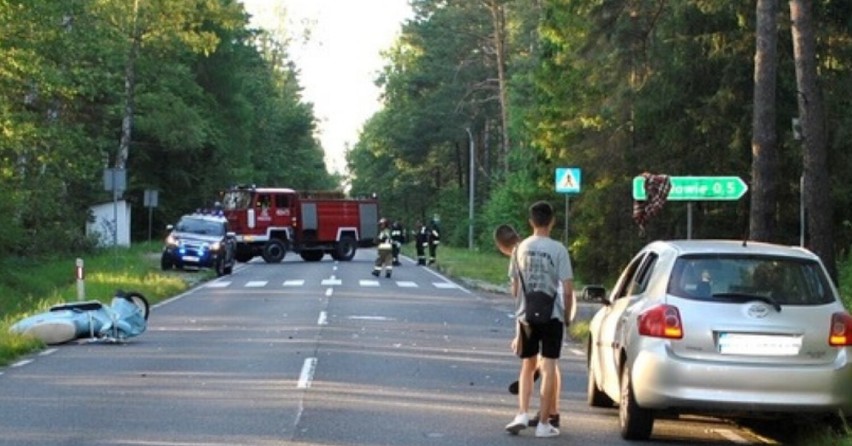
(230, 268)
(594, 396)
(165, 263)
(635, 422)
(220, 267)
(273, 251)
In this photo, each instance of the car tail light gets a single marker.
(661, 321)
(841, 330)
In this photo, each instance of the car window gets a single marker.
(643, 274)
(200, 226)
(626, 283)
(282, 201)
(787, 281)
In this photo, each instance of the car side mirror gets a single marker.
(594, 293)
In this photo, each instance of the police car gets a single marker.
(200, 241)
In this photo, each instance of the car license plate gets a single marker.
(190, 259)
(759, 345)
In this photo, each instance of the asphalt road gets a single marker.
(310, 354)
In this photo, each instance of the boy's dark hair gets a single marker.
(541, 213)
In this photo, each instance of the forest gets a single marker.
(483, 101)
(617, 88)
(182, 95)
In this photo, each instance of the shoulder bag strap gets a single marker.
(520, 273)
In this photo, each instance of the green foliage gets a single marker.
(509, 202)
(215, 103)
(616, 88)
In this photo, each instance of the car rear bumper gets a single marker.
(663, 380)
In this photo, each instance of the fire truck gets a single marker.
(270, 221)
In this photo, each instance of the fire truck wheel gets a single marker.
(244, 257)
(312, 255)
(273, 251)
(345, 249)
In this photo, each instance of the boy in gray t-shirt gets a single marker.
(544, 264)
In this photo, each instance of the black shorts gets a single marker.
(544, 338)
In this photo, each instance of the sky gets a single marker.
(338, 62)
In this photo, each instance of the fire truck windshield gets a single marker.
(236, 199)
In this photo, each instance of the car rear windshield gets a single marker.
(780, 280)
(200, 226)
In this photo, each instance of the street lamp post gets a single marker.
(471, 193)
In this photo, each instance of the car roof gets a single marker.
(208, 217)
(713, 246)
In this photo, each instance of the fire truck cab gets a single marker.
(271, 221)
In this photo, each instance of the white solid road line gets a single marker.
(307, 374)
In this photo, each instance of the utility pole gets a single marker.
(471, 192)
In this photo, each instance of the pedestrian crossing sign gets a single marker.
(568, 180)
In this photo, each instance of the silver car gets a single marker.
(720, 327)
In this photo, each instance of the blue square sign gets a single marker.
(568, 180)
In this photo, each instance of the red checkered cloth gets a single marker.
(656, 190)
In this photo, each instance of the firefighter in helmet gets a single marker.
(421, 239)
(397, 238)
(384, 261)
(434, 234)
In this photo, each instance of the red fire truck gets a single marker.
(270, 221)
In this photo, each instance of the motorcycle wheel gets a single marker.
(140, 301)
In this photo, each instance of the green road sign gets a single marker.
(697, 188)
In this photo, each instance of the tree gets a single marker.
(763, 143)
(817, 192)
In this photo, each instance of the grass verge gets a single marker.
(30, 287)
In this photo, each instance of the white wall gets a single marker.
(104, 223)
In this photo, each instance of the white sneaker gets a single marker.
(518, 424)
(544, 429)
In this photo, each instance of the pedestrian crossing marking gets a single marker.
(221, 284)
(370, 283)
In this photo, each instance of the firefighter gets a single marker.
(398, 238)
(384, 261)
(434, 236)
(421, 239)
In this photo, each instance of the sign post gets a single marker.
(79, 274)
(150, 199)
(689, 189)
(567, 182)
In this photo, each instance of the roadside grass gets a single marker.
(29, 287)
(488, 267)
